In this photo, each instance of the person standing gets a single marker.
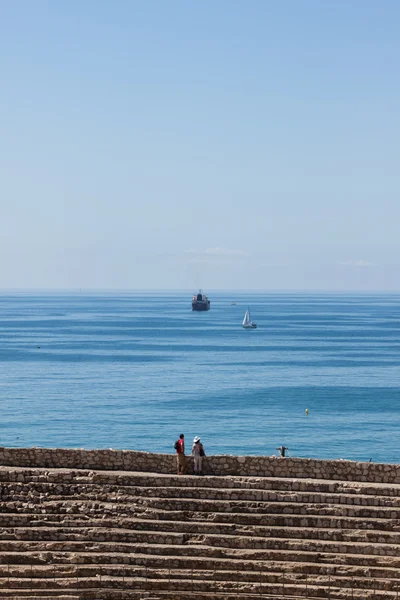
(198, 453)
(180, 454)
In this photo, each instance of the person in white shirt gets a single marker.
(198, 453)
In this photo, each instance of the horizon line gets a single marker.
(78, 290)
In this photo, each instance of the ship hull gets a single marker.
(201, 306)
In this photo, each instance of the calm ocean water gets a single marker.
(133, 370)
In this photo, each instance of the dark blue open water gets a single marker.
(133, 370)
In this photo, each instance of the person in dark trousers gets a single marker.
(180, 454)
(282, 450)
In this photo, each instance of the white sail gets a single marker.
(247, 323)
(247, 319)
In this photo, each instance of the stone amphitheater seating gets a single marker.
(70, 534)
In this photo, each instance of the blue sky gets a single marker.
(214, 144)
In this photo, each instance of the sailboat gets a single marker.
(247, 323)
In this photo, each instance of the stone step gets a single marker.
(300, 589)
(237, 506)
(121, 541)
(90, 564)
(51, 491)
(105, 478)
(124, 531)
(112, 594)
(56, 520)
(248, 540)
(327, 563)
(232, 529)
(23, 552)
(14, 594)
(289, 520)
(52, 576)
(121, 506)
(167, 520)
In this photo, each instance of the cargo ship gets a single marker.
(200, 302)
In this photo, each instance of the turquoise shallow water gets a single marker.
(133, 370)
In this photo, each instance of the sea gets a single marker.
(132, 370)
